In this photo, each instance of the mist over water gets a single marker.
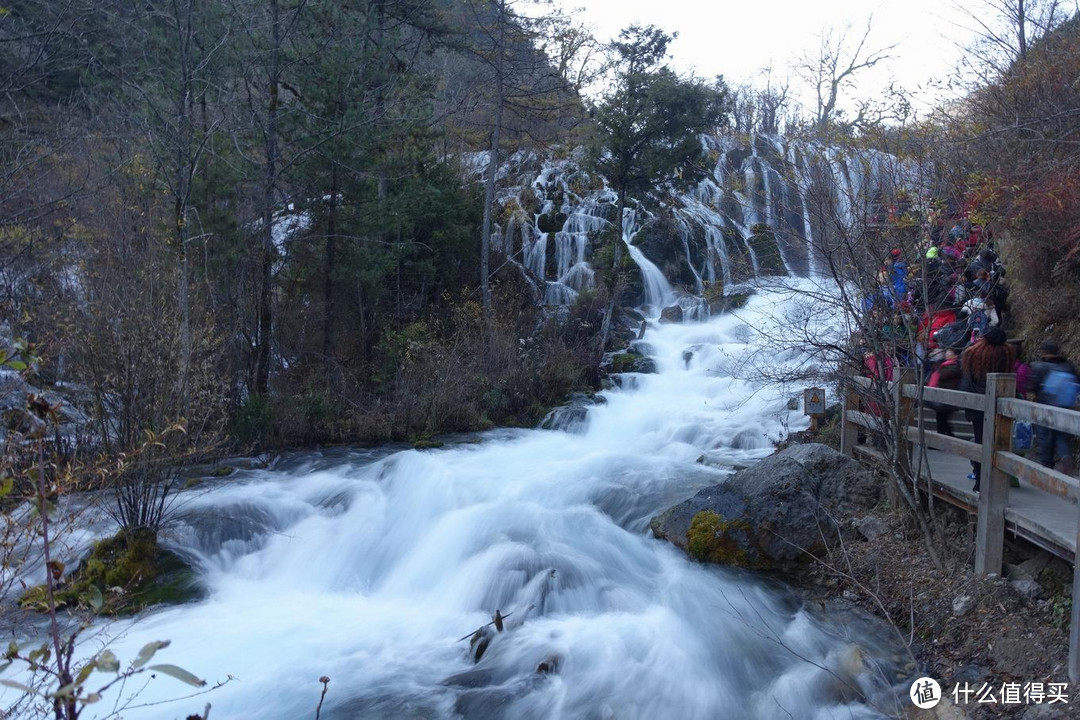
(369, 566)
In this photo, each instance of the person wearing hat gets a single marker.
(991, 353)
(1053, 444)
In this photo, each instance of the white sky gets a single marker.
(737, 39)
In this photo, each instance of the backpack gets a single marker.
(1061, 388)
(1021, 435)
(979, 322)
(953, 335)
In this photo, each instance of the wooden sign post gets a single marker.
(814, 405)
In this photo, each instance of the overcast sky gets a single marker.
(737, 39)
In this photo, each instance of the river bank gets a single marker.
(962, 629)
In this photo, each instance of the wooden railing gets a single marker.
(1000, 408)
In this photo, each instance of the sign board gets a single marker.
(814, 401)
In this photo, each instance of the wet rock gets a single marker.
(962, 605)
(573, 415)
(1027, 588)
(726, 303)
(549, 665)
(479, 642)
(625, 382)
(625, 362)
(671, 314)
(773, 514)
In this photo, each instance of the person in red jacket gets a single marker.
(946, 376)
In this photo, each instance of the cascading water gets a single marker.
(658, 291)
(368, 567)
(771, 206)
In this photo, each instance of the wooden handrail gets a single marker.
(866, 420)
(1058, 418)
(952, 445)
(1031, 472)
(1000, 408)
(955, 398)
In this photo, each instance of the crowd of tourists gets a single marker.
(947, 312)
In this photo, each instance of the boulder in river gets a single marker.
(774, 514)
(627, 362)
(672, 314)
(573, 415)
(720, 304)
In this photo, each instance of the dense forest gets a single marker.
(257, 217)
(271, 222)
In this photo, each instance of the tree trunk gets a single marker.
(266, 270)
(1021, 28)
(184, 173)
(489, 186)
(616, 254)
(328, 281)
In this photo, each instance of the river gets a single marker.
(368, 566)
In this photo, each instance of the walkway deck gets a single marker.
(1046, 520)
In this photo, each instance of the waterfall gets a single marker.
(367, 566)
(768, 203)
(658, 291)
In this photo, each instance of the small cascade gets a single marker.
(658, 291)
(802, 181)
(535, 252)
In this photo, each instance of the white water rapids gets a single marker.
(367, 567)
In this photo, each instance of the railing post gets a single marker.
(993, 483)
(1074, 620)
(902, 415)
(849, 432)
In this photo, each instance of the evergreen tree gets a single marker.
(650, 122)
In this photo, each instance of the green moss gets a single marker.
(711, 538)
(128, 571)
(426, 444)
(763, 240)
(713, 290)
(623, 362)
(738, 300)
(223, 471)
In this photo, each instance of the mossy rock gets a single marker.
(629, 362)
(711, 538)
(125, 574)
(426, 444)
(623, 362)
(726, 303)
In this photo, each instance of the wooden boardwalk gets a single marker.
(1041, 509)
(1046, 520)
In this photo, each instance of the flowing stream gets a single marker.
(368, 566)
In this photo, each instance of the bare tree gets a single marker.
(830, 72)
(762, 108)
(1002, 31)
